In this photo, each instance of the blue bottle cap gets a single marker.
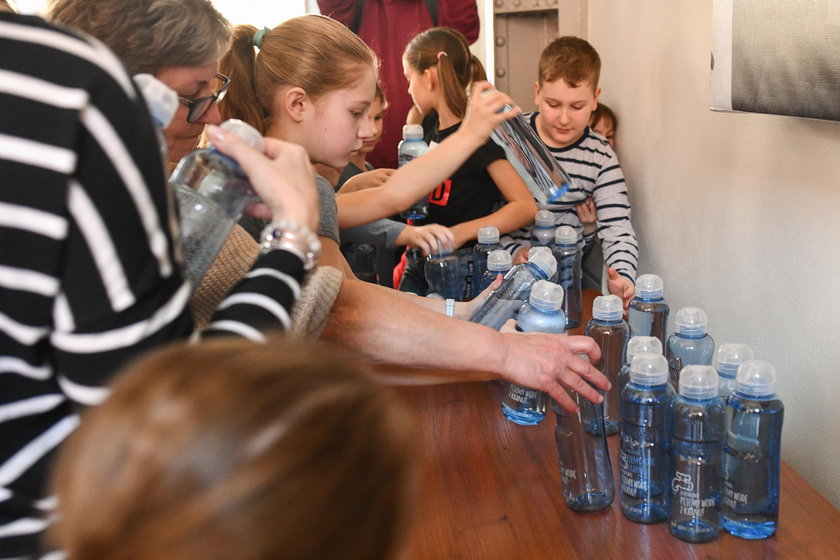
(691, 321)
(756, 378)
(698, 382)
(729, 356)
(649, 286)
(649, 369)
(565, 235)
(608, 308)
(643, 344)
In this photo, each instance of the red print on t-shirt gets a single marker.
(440, 195)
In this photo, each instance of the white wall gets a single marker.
(738, 213)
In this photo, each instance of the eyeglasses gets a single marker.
(199, 107)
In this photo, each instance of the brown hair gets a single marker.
(572, 60)
(600, 112)
(6, 7)
(448, 51)
(148, 35)
(313, 52)
(231, 449)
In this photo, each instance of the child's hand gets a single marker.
(428, 238)
(587, 214)
(484, 112)
(473, 304)
(521, 255)
(366, 180)
(620, 286)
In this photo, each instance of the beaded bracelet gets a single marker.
(293, 237)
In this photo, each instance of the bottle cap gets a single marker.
(729, 356)
(691, 321)
(499, 260)
(643, 344)
(546, 296)
(412, 131)
(162, 101)
(608, 308)
(698, 382)
(443, 249)
(544, 218)
(542, 258)
(649, 369)
(565, 235)
(488, 235)
(756, 378)
(248, 133)
(649, 286)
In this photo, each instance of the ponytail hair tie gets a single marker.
(440, 54)
(258, 37)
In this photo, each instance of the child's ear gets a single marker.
(294, 102)
(430, 78)
(597, 95)
(537, 94)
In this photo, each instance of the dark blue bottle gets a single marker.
(498, 262)
(728, 358)
(543, 313)
(611, 334)
(696, 478)
(504, 302)
(690, 344)
(443, 273)
(488, 241)
(644, 443)
(648, 312)
(569, 273)
(752, 453)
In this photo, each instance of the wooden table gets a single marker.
(492, 490)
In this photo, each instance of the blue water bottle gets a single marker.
(543, 313)
(413, 146)
(697, 435)
(690, 344)
(728, 358)
(504, 302)
(585, 468)
(644, 443)
(611, 333)
(752, 454)
(569, 273)
(443, 273)
(647, 313)
(488, 241)
(498, 262)
(542, 232)
(636, 345)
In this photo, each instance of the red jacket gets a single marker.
(387, 26)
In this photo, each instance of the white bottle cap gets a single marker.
(643, 344)
(488, 235)
(412, 131)
(546, 296)
(729, 356)
(649, 286)
(649, 369)
(248, 133)
(698, 382)
(608, 308)
(542, 258)
(691, 321)
(499, 260)
(565, 235)
(756, 378)
(162, 101)
(544, 218)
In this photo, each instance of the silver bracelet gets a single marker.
(449, 307)
(292, 237)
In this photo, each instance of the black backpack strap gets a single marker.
(433, 10)
(357, 16)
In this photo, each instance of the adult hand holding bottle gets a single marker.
(282, 177)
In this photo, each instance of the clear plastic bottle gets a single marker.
(443, 273)
(488, 241)
(644, 443)
(584, 457)
(545, 178)
(647, 313)
(413, 146)
(690, 344)
(752, 454)
(636, 345)
(498, 262)
(504, 302)
(569, 273)
(543, 313)
(542, 232)
(696, 477)
(728, 357)
(611, 334)
(212, 191)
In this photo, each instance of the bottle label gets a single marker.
(567, 475)
(522, 395)
(688, 498)
(733, 499)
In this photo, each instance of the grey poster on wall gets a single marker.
(777, 56)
